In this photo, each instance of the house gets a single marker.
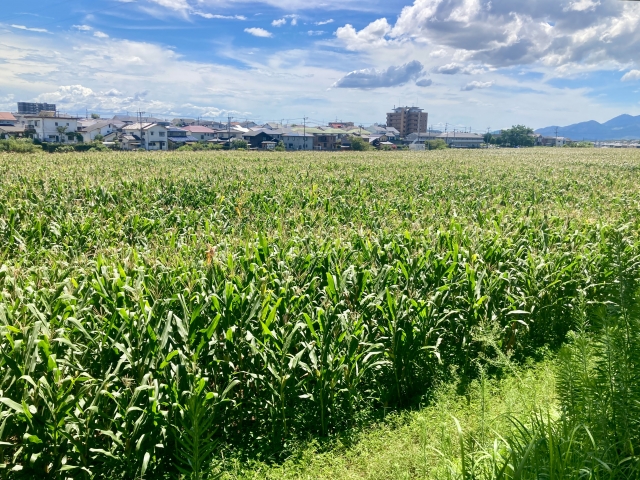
(129, 141)
(390, 132)
(200, 133)
(554, 141)
(130, 119)
(184, 122)
(269, 145)
(49, 127)
(421, 137)
(8, 126)
(341, 124)
(7, 119)
(179, 136)
(255, 139)
(101, 127)
(151, 135)
(462, 140)
(231, 132)
(298, 141)
(325, 141)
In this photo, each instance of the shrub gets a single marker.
(437, 144)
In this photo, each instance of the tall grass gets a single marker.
(159, 309)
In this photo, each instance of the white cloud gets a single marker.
(313, 33)
(279, 22)
(325, 22)
(372, 78)
(582, 5)
(38, 30)
(373, 35)
(475, 85)
(258, 32)
(631, 76)
(560, 35)
(83, 28)
(100, 34)
(173, 4)
(220, 17)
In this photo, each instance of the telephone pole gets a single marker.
(229, 130)
(140, 125)
(556, 137)
(304, 121)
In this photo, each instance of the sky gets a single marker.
(473, 64)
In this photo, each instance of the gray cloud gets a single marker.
(372, 78)
(475, 84)
(424, 82)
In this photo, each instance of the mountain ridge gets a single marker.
(622, 127)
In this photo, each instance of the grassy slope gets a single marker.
(407, 446)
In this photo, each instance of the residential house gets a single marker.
(255, 139)
(232, 132)
(102, 127)
(151, 135)
(341, 124)
(325, 141)
(130, 119)
(298, 141)
(8, 126)
(421, 137)
(390, 132)
(554, 141)
(179, 136)
(462, 140)
(49, 127)
(184, 122)
(202, 134)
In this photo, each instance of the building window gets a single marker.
(67, 124)
(161, 134)
(56, 124)
(152, 132)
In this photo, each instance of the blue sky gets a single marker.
(470, 63)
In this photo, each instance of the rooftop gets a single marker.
(7, 117)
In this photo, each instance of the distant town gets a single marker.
(405, 128)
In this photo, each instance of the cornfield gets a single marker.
(159, 309)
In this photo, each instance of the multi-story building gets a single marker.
(26, 108)
(408, 120)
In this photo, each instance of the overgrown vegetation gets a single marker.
(158, 309)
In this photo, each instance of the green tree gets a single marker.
(518, 136)
(95, 116)
(437, 144)
(61, 131)
(280, 147)
(487, 138)
(359, 144)
(237, 144)
(98, 138)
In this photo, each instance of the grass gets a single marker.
(421, 443)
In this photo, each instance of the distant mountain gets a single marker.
(624, 127)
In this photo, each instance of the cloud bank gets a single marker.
(369, 78)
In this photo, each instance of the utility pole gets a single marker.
(556, 137)
(229, 130)
(304, 120)
(140, 125)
